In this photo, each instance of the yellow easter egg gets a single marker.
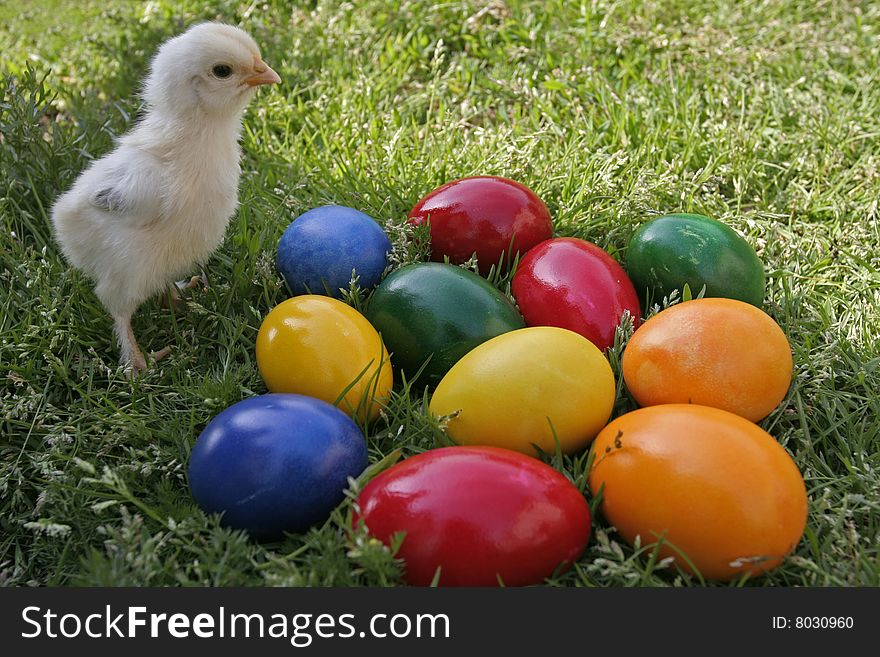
(517, 389)
(317, 346)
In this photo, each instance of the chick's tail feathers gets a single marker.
(65, 226)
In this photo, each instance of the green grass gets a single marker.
(763, 114)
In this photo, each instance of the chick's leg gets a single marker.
(130, 352)
(121, 299)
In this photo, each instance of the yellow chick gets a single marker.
(146, 213)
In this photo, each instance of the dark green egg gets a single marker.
(675, 249)
(437, 311)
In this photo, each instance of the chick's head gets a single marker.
(212, 67)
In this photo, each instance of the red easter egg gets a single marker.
(483, 215)
(481, 515)
(573, 284)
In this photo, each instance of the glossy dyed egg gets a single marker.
(509, 391)
(669, 251)
(437, 311)
(319, 250)
(479, 515)
(317, 346)
(714, 352)
(720, 489)
(275, 463)
(486, 215)
(574, 284)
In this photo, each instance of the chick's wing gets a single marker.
(127, 185)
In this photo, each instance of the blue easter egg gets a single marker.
(275, 463)
(321, 247)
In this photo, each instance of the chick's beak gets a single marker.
(262, 75)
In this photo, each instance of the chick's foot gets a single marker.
(193, 282)
(137, 364)
(162, 353)
(171, 298)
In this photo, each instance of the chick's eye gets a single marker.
(222, 71)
